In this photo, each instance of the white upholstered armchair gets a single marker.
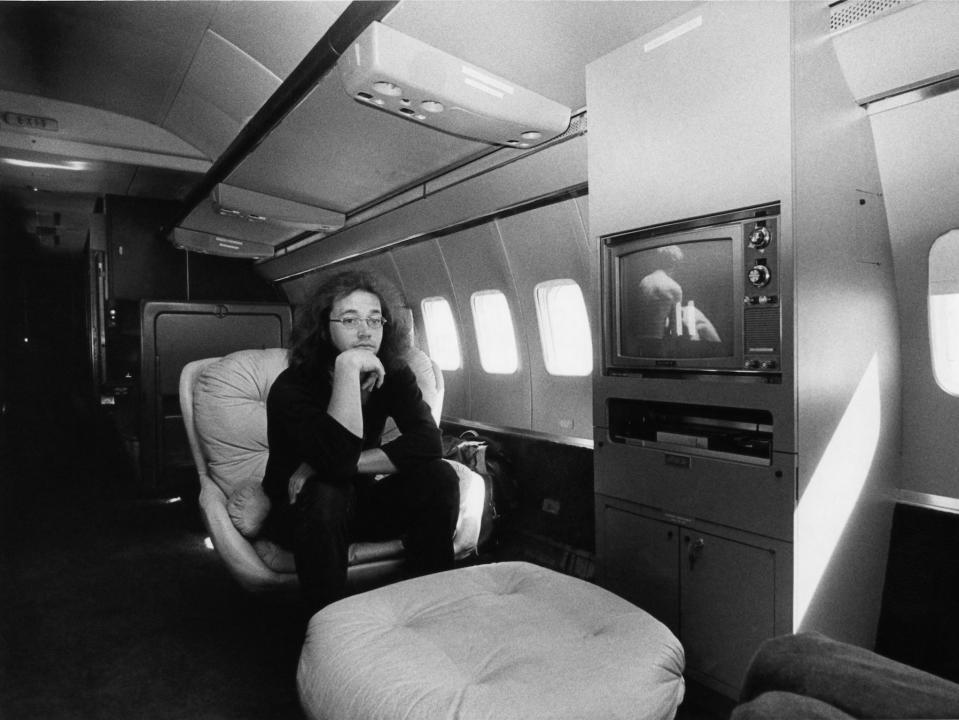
(223, 401)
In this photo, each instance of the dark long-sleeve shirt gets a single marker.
(299, 428)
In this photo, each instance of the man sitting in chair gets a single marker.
(325, 418)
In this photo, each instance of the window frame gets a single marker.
(547, 336)
(943, 325)
(483, 340)
(439, 354)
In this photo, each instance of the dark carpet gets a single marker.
(110, 604)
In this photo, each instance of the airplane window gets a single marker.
(494, 332)
(441, 339)
(944, 310)
(564, 328)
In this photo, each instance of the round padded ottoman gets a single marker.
(500, 641)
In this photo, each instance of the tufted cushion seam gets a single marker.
(230, 414)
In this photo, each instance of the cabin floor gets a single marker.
(110, 604)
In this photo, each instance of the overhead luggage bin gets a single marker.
(243, 223)
(396, 73)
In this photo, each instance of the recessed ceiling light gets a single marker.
(387, 88)
(67, 165)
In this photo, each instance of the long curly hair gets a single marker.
(311, 347)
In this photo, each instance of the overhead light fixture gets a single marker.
(390, 71)
(239, 203)
(74, 165)
(212, 244)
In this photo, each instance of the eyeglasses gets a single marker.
(353, 323)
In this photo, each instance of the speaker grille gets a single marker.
(847, 13)
(761, 329)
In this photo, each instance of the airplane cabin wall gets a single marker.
(908, 91)
(545, 244)
(847, 337)
(916, 145)
(536, 231)
(424, 274)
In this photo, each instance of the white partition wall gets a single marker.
(734, 105)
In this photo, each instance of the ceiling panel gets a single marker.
(125, 57)
(335, 153)
(201, 69)
(224, 87)
(543, 46)
(257, 26)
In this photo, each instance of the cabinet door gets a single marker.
(727, 606)
(640, 561)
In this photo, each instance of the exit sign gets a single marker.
(29, 122)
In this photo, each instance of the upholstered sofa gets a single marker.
(223, 402)
(808, 676)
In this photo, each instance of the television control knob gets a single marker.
(768, 365)
(751, 364)
(759, 238)
(759, 275)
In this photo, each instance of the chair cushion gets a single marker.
(276, 558)
(422, 367)
(506, 641)
(229, 406)
(248, 507)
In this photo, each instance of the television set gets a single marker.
(700, 295)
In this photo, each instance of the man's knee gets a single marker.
(322, 503)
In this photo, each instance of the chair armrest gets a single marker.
(235, 550)
(857, 681)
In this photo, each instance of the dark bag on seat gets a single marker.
(484, 455)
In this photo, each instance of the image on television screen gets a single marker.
(676, 301)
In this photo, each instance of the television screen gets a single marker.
(676, 301)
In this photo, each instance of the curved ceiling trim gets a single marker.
(313, 68)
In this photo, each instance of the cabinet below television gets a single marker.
(721, 591)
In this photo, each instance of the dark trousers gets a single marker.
(420, 506)
(812, 677)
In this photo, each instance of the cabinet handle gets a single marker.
(695, 550)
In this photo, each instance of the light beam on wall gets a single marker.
(833, 492)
